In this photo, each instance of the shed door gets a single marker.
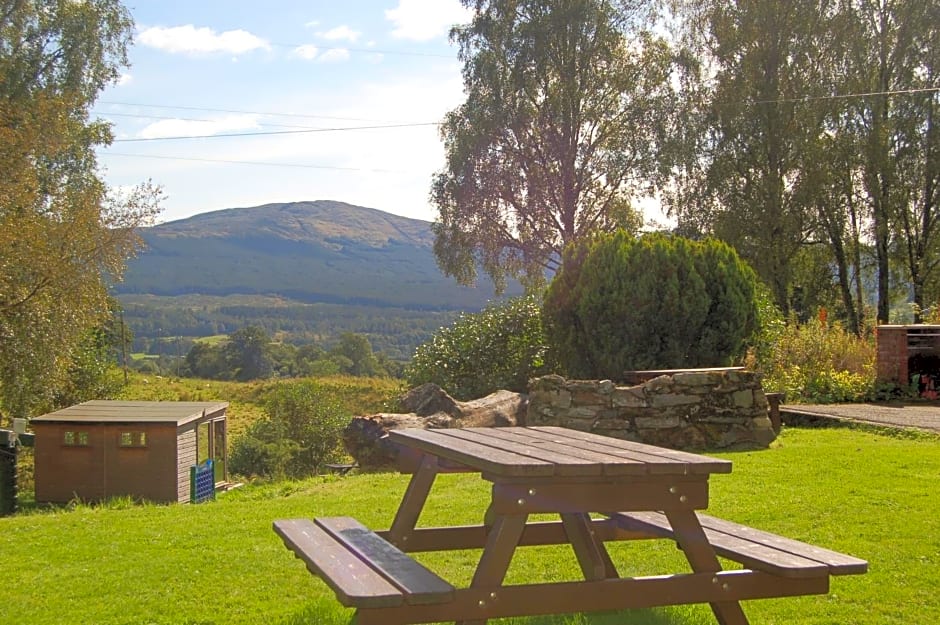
(210, 444)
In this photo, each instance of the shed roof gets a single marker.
(108, 411)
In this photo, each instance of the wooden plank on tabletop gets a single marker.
(566, 464)
(693, 463)
(481, 457)
(614, 464)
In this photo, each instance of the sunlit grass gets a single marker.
(858, 491)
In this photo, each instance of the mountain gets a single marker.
(311, 252)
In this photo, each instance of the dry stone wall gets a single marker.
(688, 410)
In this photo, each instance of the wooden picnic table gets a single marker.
(603, 489)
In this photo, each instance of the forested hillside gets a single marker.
(305, 272)
(323, 251)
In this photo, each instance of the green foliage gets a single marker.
(819, 363)
(354, 356)
(91, 374)
(568, 109)
(770, 327)
(63, 236)
(656, 302)
(248, 354)
(301, 432)
(206, 361)
(500, 347)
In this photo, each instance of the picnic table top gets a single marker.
(542, 452)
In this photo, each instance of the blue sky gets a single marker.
(213, 67)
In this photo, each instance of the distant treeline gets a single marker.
(393, 332)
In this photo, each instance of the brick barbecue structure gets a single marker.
(908, 355)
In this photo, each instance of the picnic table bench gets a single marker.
(603, 490)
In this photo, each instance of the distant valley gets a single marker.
(305, 271)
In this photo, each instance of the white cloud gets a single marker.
(312, 24)
(308, 52)
(421, 20)
(191, 40)
(124, 79)
(184, 128)
(341, 33)
(334, 55)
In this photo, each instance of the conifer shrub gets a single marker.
(500, 347)
(655, 302)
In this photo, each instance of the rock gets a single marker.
(366, 438)
(428, 399)
(499, 409)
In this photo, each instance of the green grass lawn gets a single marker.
(865, 493)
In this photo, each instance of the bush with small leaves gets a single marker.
(301, 433)
(500, 347)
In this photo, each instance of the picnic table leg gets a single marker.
(693, 542)
(500, 545)
(413, 502)
(592, 555)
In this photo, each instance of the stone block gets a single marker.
(558, 398)
(743, 399)
(661, 383)
(628, 397)
(583, 386)
(666, 401)
(675, 438)
(659, 422)
(692, 378)
(546, 383)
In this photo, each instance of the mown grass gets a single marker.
(867, 493)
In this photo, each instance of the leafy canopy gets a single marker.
(500, 347)
(63, 235)
(567, 109)
(300, 434)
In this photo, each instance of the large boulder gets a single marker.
(428, 399)
(366, 438)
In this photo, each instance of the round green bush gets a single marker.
(656, 302)
(500, 347)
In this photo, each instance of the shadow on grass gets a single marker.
(626, 617)
(821, 422)
(326, 613)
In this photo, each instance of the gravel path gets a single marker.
(918, 416)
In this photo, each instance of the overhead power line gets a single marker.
(843, 96)
(191, 119)
(246, 112)
(261, 163)
(276, 132)
(294, 46)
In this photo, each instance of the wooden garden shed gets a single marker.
(143, 449)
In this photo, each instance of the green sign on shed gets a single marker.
(142, 449)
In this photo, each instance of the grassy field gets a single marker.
(357, 395)
(863, 492)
